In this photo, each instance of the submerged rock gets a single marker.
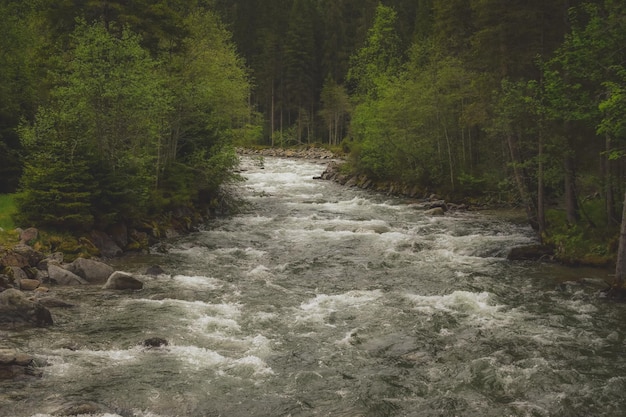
(14, 364)
(122, 281)
(155, 270)
(86, 408)
(155, 342)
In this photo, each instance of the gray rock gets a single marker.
(530, 253)
(90, 270)
(155, 270)
(29, 235)
(18, 311)
(52, 302)
(32, 256)
(155, 342)
(122, 281)
(14, 364)
(108, 248)
(18, 274)
(437, 211)
(62, 276)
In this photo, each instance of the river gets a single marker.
(321, 300)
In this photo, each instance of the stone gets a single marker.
(29, 284)
(62, 276)
(13, 259)
(107, 247)
(155, 342)
(90, 270)
(122, 281)
(80, 409)
(18, 274)
(437, 211)
(18, 311)
(530, 253)
(29, 235)
(14, 364)
(32, 256)
(154, 270)
(53, 302)
(119, 234)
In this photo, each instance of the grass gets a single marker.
(7, 209)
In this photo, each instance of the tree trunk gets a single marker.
(531, 212)
(541, 191)
(620, 267)
(571, 201)
(609, 197)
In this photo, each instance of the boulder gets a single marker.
(52, 302)
(62, 276)
(437, 211)
(530, 253)
(29, 235)
(107, 247)
(155, 342)
(119, 234)
(18, 311)
(122, 281)
(13, 259)
(32, 256)
(55, 258)
(90, 270)
(14, 364)
(18, 274)
(29, 284)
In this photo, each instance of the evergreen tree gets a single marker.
(301, 72)
(380, 57)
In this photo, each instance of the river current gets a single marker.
(321, 300)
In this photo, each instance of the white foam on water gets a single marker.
(198, 282)
(208, 323)
(319, 308)
(260, 271)
(475, 305)
(348, 339)
(199, 358)
(65, 362)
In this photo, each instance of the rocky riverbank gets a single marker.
(28, 279)
(305, 152)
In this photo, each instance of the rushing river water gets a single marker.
(325, 301)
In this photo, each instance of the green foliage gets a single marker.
(7, 210)
(582, 243)
(124, 136)
(380, 58)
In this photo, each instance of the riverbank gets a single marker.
(304, 152)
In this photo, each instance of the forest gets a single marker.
(112, 111)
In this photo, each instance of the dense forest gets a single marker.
(111, 111)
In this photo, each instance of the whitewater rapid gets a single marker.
(321, 300)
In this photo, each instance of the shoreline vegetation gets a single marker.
(150, 234)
